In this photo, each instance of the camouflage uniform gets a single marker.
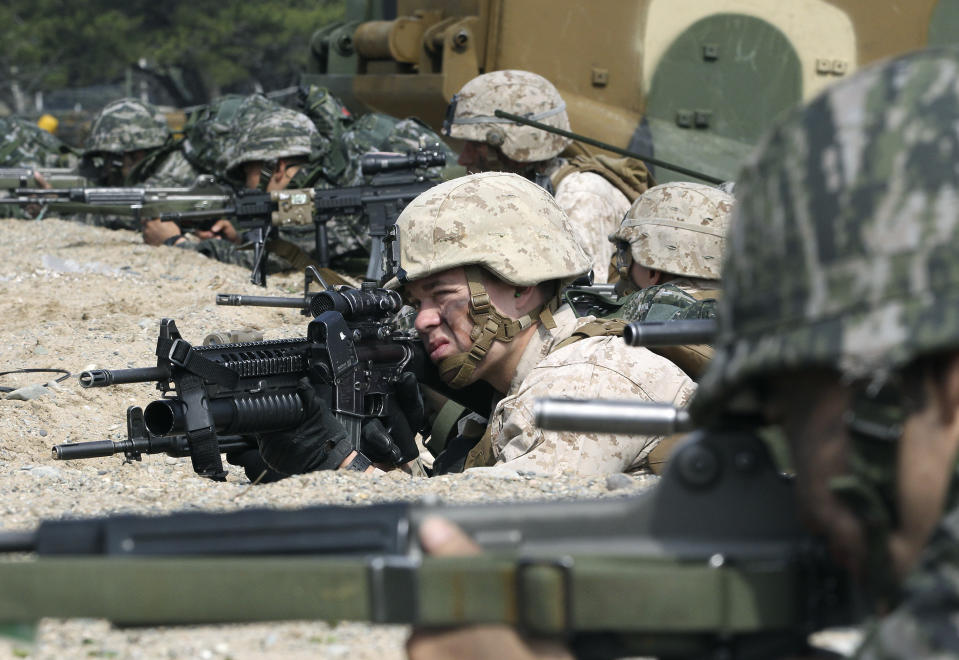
(514, 229)
(595, 208)
(851, 202)
(131, 125)
(266, 132)
(678, 229)
(24, 144)
(593, 204)
(676, 300)
(334, 157)
(592, 368)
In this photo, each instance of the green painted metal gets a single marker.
(550, 595)
(720, 84)
(944, 25)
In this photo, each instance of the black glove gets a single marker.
(394, 442)
(256, 469)
(318, 443)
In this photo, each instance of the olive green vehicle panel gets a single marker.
(626, 69)
(944, 25)
(700, 81)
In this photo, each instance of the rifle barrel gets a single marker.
(237, 299)
(107, 377)
(627, 417)
(670, 333)
(519, 119)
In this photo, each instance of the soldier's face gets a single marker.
(810, 406)
(442, 313)
(479, 157)
(130, 160)
(443, 318)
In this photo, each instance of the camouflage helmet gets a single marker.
(500, 221)
(678, 228)
(126, 125)
(843, 251)
(269, 132)
(470, 114)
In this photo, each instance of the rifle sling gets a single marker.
(547, 596)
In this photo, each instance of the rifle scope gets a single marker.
(385, 162)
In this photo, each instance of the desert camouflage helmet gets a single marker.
(500, 221)
(271, 132)
(843, 251)
(470, 114)
(678, 228)
(126, 125)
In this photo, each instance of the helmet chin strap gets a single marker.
(488, 326)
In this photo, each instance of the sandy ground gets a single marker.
(74, 297)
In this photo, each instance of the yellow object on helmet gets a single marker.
(49, 123)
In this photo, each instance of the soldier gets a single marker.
(482, 259)
(130, 144)
(25, 144)
(594, 191)
(853, 348)
(273, 146)
(669, 248)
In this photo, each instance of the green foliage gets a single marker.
(56, 43)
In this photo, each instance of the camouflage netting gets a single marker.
(844, 248)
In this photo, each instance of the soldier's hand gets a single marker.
(319, 442)
(441, 538)
(33, 210)
(156, 232)
(41, 181)
(222, 228)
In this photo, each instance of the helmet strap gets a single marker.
(488, 326)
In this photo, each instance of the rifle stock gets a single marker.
(709, 561)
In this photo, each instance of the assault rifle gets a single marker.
(396, 180)
(23, 177)
(216, 396)
(710, 562)
(349, 353)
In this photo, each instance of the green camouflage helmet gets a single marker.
(126, 125)
(23, 143)
(678, 228)
(500, 221)
(268, 131)
(844, 248)
(470, 115)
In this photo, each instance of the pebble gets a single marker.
(28, 392)
(46, 472)
(617, 481)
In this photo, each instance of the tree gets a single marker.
(211, 44)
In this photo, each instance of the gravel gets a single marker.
(76, 297)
